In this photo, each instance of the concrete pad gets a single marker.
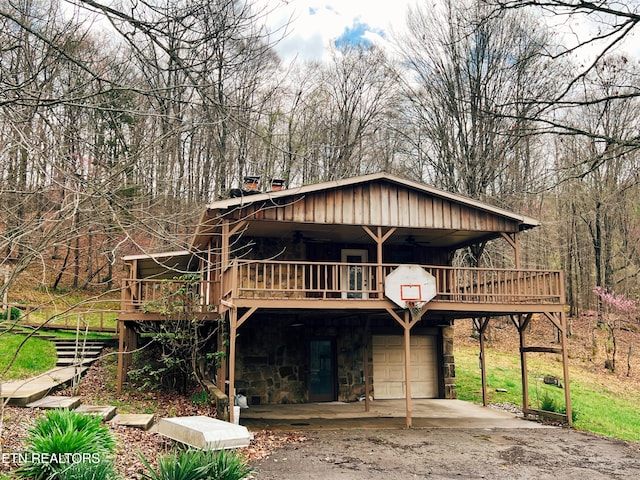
(426, 413)
(22, 392)
(106, 412)
(134, 420)
(50, 402)
(204, 432)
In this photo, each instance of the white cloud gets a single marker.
(315, 24)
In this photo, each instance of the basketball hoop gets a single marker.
(415, 309)
(410, 287)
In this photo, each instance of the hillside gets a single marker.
(605, 402)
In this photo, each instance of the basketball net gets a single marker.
(415, 309)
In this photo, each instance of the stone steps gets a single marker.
(107, 412)
(73, 361)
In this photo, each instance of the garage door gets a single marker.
(388, 366)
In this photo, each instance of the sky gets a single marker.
(316, 23)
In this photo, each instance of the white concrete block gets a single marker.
(204, 432)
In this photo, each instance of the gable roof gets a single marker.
(238, 202)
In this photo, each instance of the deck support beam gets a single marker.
(407, 323)
(365, 353)
(512, 239)
(127, 343)
(234, 323)
(558, 319)
(379, 238)
(521, 322)
(481, 325)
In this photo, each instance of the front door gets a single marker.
(354, 278)
(322, 377)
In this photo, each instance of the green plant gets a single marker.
(574, 413)
(198, 465)
(183, 346)
(200, 398)
(15, 313)
(549, 404)
(65, 438)
(102, 470)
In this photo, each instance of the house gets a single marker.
(302, 281)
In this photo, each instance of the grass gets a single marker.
(36, 356)
(600, 406)
(96, 318)
(71, 334)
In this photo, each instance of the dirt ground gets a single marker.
(554, 453)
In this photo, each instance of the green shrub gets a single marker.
(549, 404)
(16, 313)
(574, 413)
(102, 470)
(199, 465)
(58, 436)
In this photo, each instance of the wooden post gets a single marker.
(407, 323)
(407, 366)
(565, 367)
(221, 377)
(233, 328)
(521, 324)
(367, 385)
(379, 238)
(234, 323)
(121, 373)
(482, 325)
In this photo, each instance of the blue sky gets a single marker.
(316, 24)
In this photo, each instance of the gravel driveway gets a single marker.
(492, 453)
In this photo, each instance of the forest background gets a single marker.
(120, 121)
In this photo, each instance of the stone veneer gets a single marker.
(448, 365)
(272, 359)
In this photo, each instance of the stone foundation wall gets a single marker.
(350, 363)
(272, 364)
(448, 364)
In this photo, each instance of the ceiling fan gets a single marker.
(411, 240)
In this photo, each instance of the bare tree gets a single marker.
(467, 94)
(599, 186)
(613, 24)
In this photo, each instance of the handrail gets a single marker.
(35, 316)
(153, 295)
(281, 279)
(274, 279)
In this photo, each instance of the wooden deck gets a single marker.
(318, 285)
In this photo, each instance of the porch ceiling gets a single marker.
(332, 233)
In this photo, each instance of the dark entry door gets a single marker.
(322, 379)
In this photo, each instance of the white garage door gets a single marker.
(388, 366)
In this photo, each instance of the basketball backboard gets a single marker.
(409, 283)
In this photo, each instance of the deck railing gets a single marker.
(357, 281)
(274, 280)
(163, 296)
(21, 316)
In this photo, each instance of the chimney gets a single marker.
(251, 184)
(277, 185)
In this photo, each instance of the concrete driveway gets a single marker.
(426, 413)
